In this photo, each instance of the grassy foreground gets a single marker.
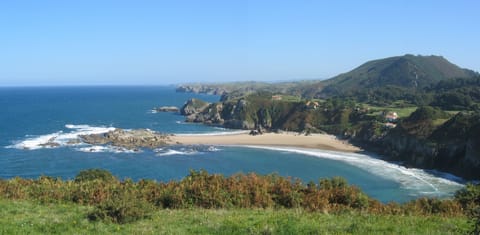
(28, 217)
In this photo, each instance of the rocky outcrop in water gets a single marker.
(171, 109)
(130, 139)
(50, 143)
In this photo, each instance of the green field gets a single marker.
(26, 217)
(402, 112)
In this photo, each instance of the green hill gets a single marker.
(407, 71)
(441, 134)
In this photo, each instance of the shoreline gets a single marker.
(286, 139)
(324, 146)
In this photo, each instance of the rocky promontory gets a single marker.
(428, 138)
(227, 114)
(204, 89)
(130, 139)
(171, 109)
(193, 106)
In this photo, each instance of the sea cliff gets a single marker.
(428, 138)
(437, 102)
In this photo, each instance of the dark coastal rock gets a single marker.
(51, 143)
(209, 115)
(171, 109)
(234, 115)
(453, 147)
(130, 139)
(74, 141)
(215, 114)
(193, 106)
(202, 112)
(239, 124)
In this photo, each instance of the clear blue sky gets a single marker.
(163, 42)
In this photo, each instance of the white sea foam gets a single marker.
(93, 149)
(213, 149)
(36, 142)
(421, 181)
(171, 152)
(60, 138)
(105, 149)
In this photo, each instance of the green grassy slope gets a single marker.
(26, 217)
(403, 71)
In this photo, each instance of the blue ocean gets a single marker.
(30, 116)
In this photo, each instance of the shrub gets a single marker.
(92, 192)
(469, 198)
(47, 189)
(94, 174)
(429, 206)
(205, 190)
(361, 201)
(171, 197)
(285, 193)
(124, 207)
(315, 201)
(334, 183)
(16, 188)
(127, 201)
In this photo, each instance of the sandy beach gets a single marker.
(289, 139)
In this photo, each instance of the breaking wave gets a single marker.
(419, 182)
(62, 138)
(106, 149)
(187, 150)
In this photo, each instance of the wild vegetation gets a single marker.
(436, 106)
(97, 196)
(407, 71)
(422, 136)
(437, 127)
(414, 80)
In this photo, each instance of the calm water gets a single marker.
(31, 116)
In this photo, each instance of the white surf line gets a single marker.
(59, 138)
(364, 162)
(419, 178)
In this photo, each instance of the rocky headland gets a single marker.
(170, 109)
(227, 114)
(129, 139)
(438, 104)
(204, 89)
(429, 138)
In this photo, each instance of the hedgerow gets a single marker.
(125, 201)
